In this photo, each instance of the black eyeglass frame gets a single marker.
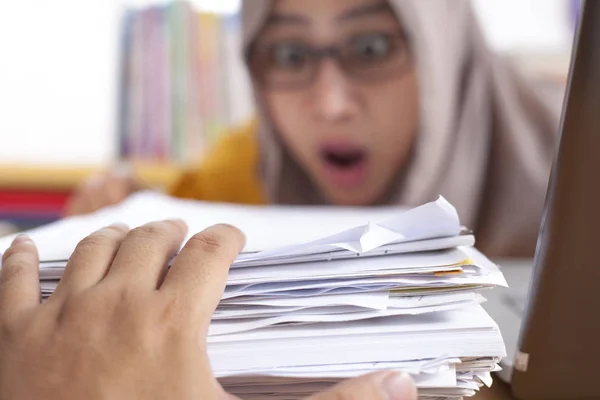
(336, 53)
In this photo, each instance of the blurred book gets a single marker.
(182, 82)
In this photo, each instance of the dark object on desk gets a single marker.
(561, 326)
(558, 349)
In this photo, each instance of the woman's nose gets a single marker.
(332, 97)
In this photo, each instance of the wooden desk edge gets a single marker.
(40, 177)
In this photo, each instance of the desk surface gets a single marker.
(498, 391)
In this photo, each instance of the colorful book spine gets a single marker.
(194, 134)
(125, 72)
(181, 82)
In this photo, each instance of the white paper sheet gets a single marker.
(444, 376)
(432, 220)
(244, 325)
(276, 307)
(373, 300)
(491, 276)
(267, 228)
(473, 317)
(414, 367)
(426, 262)
(269, 311)
(251, 259)
(346, 291)
(466, 332)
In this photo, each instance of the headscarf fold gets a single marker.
(486, 136)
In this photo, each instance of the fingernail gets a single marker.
(400, 386)
(21, 239)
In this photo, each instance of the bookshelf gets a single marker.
(182, 81)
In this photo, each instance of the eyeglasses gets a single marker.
(293, 64)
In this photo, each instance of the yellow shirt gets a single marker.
(228, 173)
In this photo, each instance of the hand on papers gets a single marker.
(117, 326)
(120, 325)
(100, 191)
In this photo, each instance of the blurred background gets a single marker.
(85, 85)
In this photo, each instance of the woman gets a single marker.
(366, 102)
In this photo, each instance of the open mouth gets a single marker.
(345, 166)
(344, 159)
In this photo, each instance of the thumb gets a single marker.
(375, 386)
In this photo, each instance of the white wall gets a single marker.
(57, 81)
(58, 69)
(58, 78)
(541, 26)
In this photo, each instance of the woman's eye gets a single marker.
(374, 46)
(289, 55)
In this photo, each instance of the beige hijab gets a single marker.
(486, 139)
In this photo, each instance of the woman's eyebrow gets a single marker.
(283, 19)
(363, 11)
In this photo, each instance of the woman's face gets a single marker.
(349, 124)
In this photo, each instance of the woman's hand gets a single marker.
(101, 190)
(122, 326)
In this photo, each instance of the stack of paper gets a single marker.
(323, 294)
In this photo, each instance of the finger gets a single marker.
(95, 197)
(145, 253)
(199, 273)
(91, 260)
(117, 189)
(89, 196)
(72, 206)
(19, 278)
(77, 203)
(376, 386)
(102, 191)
